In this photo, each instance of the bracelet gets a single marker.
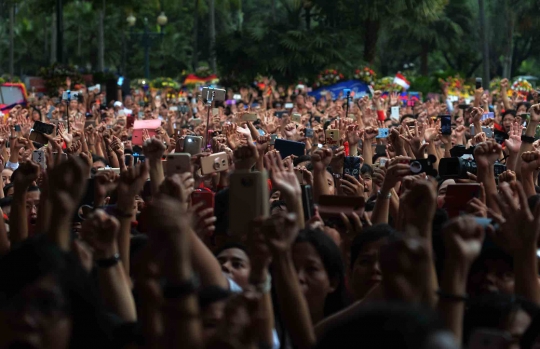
(383, 196)
(453, 297)
(121, 214)
(108, 262)
(266, 286)
(527, 139)
(171, 291)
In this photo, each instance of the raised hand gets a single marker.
(486, 153)
(507, 176)
(535, 113)
(100, 231)
(179, 186)
(27, 173)
(153, 149)
(463, 239)
(321, 159)
(530, 161)
(352, 186)
(245, 156)
(282, 177)
(131, 183)
(513, 143)
(280, 232)
(104, 183)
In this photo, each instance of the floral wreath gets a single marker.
(365, 74)
(328, 77)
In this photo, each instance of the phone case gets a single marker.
(206, 197)
(248, 199)
(332, 136)
(331, 206)
(383, 133)
(38, 156)
(309, 132)
(177, 163)
(351, 166)
(458, 195)
(214, 163)
(249, 117)
(307, 202)
(299, 176)
(286, 147)
(296, 117)
(193, 144)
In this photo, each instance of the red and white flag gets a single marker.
(401, 81)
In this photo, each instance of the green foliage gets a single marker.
(55, 77)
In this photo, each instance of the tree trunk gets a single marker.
(212, 9)
(509, 50)
(101, 39)
(53, 38)
(45, 41)
(11, 40)
(195, 56)
(424, 57)
(273, 10)
(372, 28)
(485, 43)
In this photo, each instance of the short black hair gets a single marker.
(369, 235)
(96, 158)
(278, 203)
(7, 187)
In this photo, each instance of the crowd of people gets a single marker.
(398, 225)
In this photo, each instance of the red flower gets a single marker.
(341, 76)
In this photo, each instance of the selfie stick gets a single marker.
(347, 108)
(67, 108)
(209, 100)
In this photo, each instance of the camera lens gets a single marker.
(217, 166)
(416, 167)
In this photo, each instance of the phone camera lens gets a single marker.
(416, 167)
(217, 166)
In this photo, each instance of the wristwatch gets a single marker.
(108, 262)
(384, 196)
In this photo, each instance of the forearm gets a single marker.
(453, 282)
(486, 176)
(367, 152)
(60, 228)
(156, 175)
(205, 264)
(294, 205)
(526, 275)
(113, 160)
(265, 310)
(116, 292)
(295, 312)
(432, 150)
(382, 207)
(320, 187)
(506, 101)
(18, 223)
(4, 240)
(512, 161)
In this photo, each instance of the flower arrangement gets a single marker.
(457, 86)
(7, 78)
(365, 74)
(139, 83)
(328, 77)
(164, 83)
(386, 84)
(495, 84)
(522, 86)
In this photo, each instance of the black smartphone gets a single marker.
(307, 201)
(279, 114)
(286, 147)
(380, 149)
(351, 166)
(317, 118)
(478, 83)
(446, 124)
(17, 128)
(463, 106)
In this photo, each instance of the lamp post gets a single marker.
(146, 36)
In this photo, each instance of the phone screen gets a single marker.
(120, 81)
(446, 125)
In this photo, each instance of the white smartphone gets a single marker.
(38, 156)
(394, 115)
(289, 105)
(173, 108)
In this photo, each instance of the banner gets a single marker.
(359, 88)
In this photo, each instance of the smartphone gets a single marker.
(38, 156)
(489, 115)
(458, 195)
(463, 106)
(248, 199)
(120, 81)
(332, 136)
(289, 105)
(237, 97)
(526, 117)
(307, 202)
(215, 111)
(478, 83)
(317, 119)
(206, 197)
(249, 117)
(196, 121)
(184, 109)
(383, 133)
(380, 149)
(38, 131)
(217, 162)
(446, 124)
(213, 94)
(489, 339)
(273, 139)
(299, 176)
(130, 121)
(295, 117)
(177, 163)
(286, 147)
(173, 108)
(394, 113)
(487, 130)
(309, 133)
(351, 166)
(279, 114)
(332, 206)
(193, 144)
(418, 166)
(112, 169)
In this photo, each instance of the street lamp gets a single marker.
(147, 36)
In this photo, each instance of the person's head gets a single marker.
(212, 302)
(320, 270)
(522, 108)
(235, 263)
(6, 175)
(508, 119)
(500, 312)
(48, 301)
(73, 104)
(441, 191)
(128, 101)
(9, 189)
(300, 100)
(32, 203)
(365, 271)
(274, 195)
(5, 205)
(405, 119)
(366, 172)
(98, 162)
(492, 272)
(278, 207)
(36, 114)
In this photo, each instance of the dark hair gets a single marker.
(333, 264)
(212, 294)
(492, 310)
(369, 235)
(509, 111)
(33, 188)
(6, 201)
(382, 325)
(366, 169)
(36, 258)
(301, 159)
(230, 245)
(278, 203)
(7, 187)
(526, 104)
(406, 116)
